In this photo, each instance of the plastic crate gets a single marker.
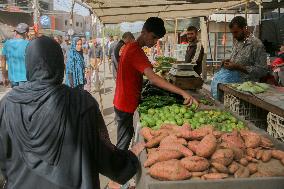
(246, 110)
(275, 126)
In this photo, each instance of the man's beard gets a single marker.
(241, 37)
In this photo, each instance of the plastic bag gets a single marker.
(223, 76)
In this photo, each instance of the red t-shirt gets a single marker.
(132, 64)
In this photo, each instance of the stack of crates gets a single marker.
(246, 110)
(275, 126)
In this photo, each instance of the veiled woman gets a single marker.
(53, 136)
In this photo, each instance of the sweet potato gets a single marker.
(259, 154)
(156, 140)
(242, 172)
(177, 146)
(220, 168)
(238, 153)
(252, 168)
(199, 174)
(213, 170)
(162, 155)
(251, 152)
(251, 159)
(146, 133)
(207, 146)
(277, 154)
(169, 170)
(192, 145)
(182, 141)
(173, 139)
(266, 142)
(151, 150)
(195, 163)
(155, 133)
(233, 140)
(213, 176)
(266, 155)
(223, 156)
(244, 162)
(183, 131)
(252, 139)
(218, 134)
(200, 133)
(233, 167)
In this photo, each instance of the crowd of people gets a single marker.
(52, 133)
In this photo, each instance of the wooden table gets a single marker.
(272, 100)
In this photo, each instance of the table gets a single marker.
(272, 100)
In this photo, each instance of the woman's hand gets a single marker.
(138, 148)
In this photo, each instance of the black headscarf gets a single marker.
(35, 134)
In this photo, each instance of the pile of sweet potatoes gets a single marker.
(179, 153)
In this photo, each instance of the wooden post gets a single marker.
(204, 41)
(175, 41)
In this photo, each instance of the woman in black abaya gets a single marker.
(52, 136)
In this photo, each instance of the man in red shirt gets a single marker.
(133, 64)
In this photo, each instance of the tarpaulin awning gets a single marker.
(117, 11)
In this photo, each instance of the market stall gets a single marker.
(163, 125)
(265, 109)
(190, 147)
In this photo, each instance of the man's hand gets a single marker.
(138, 148)
(188, 100)
(233, 66)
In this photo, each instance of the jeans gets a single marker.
(125, 129)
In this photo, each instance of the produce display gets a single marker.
(155, 102)
(251, 87)
(174, 114)
(179, 114)
(182, 152)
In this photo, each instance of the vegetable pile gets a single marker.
(179, 114)
(155, 102)
(252, 87)
(180, 153)
(174, 114)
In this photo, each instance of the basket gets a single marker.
(246, 110)
(275, 126)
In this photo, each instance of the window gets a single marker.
(66, 22)
(217, 45)
(44, 5)
(77, 24)
(81, 24)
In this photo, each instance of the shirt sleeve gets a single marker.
(4, 50)
(118, 165)
(259, 57)
(140, 61)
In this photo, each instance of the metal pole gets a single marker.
(36, 16)
(225, 35)
(103, 43)
(71, 21)
(175, 41)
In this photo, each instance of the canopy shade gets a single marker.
(117, 11)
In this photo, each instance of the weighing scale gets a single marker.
(184, 76)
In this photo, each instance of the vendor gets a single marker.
(133, 64)
(195, 51)
(247, 61)
(248, 56)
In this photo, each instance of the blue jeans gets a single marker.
(14, 84)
